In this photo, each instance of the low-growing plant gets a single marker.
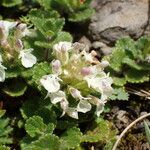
(129, 63)
(73, 10)
(69, 85)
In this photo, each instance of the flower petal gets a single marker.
(84, 106)
(5, 26)
(27, 59)
(72, 112)
(75, 93)
(50, 83)
(57, 97)
(62, 46)
(56, 67)
(100, 109)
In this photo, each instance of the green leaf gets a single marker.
(71, 139)
(47, 142)
(2, 147)
(47, 26)
(119, 94)
(13, 72)
(101, 133)
(131, 63)
(40, 70)
(46, 4)
(135, 76)
(15, 87)
(143, 44)
(50, 128)
(82, 15)
(119, 81)
(11, 3)
(62, 36)
(5, 131)
(36, 13)
(2, 112)
(116, 59)
(34, 126)
(124, 49)
(147, 131)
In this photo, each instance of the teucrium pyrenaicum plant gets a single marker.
(77, 76)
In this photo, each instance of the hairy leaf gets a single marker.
(15, 87)
(71, 139)
(11, 3)
(34, 126)
(119, 94)
(81, 15)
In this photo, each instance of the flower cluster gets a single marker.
(77, 77)
(11, 34)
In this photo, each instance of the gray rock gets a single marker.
(84, 40)
(117, 18)
(102, 47)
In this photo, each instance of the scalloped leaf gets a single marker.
(15, 87)
(48, 27)
(119, 81)
(124, 48)
(119, 94)
(13, 72)
(34, 126)
(5, 131)
(11, 3)
(82, 15)
(71, 139)
(116, 59)
(46, 4)
(62, 36)
(131, 63)
(48, 141)
(135, 76)
(40, 70)
(102, 133)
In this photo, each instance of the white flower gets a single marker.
(100, 109)
(104, 63)
(22, 30)
(19, 44)
(27, 59)
(84, 106)
(72, 112)
(90, 57)
(57, 97)
(75, 93)
(62, 46)
(56, 67)
(64, 104)
(5, 26)
(100, 84)
(50, 83)
(2, 73)
(61, 50)
(99, 104)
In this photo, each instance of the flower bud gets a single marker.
(56, 67)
